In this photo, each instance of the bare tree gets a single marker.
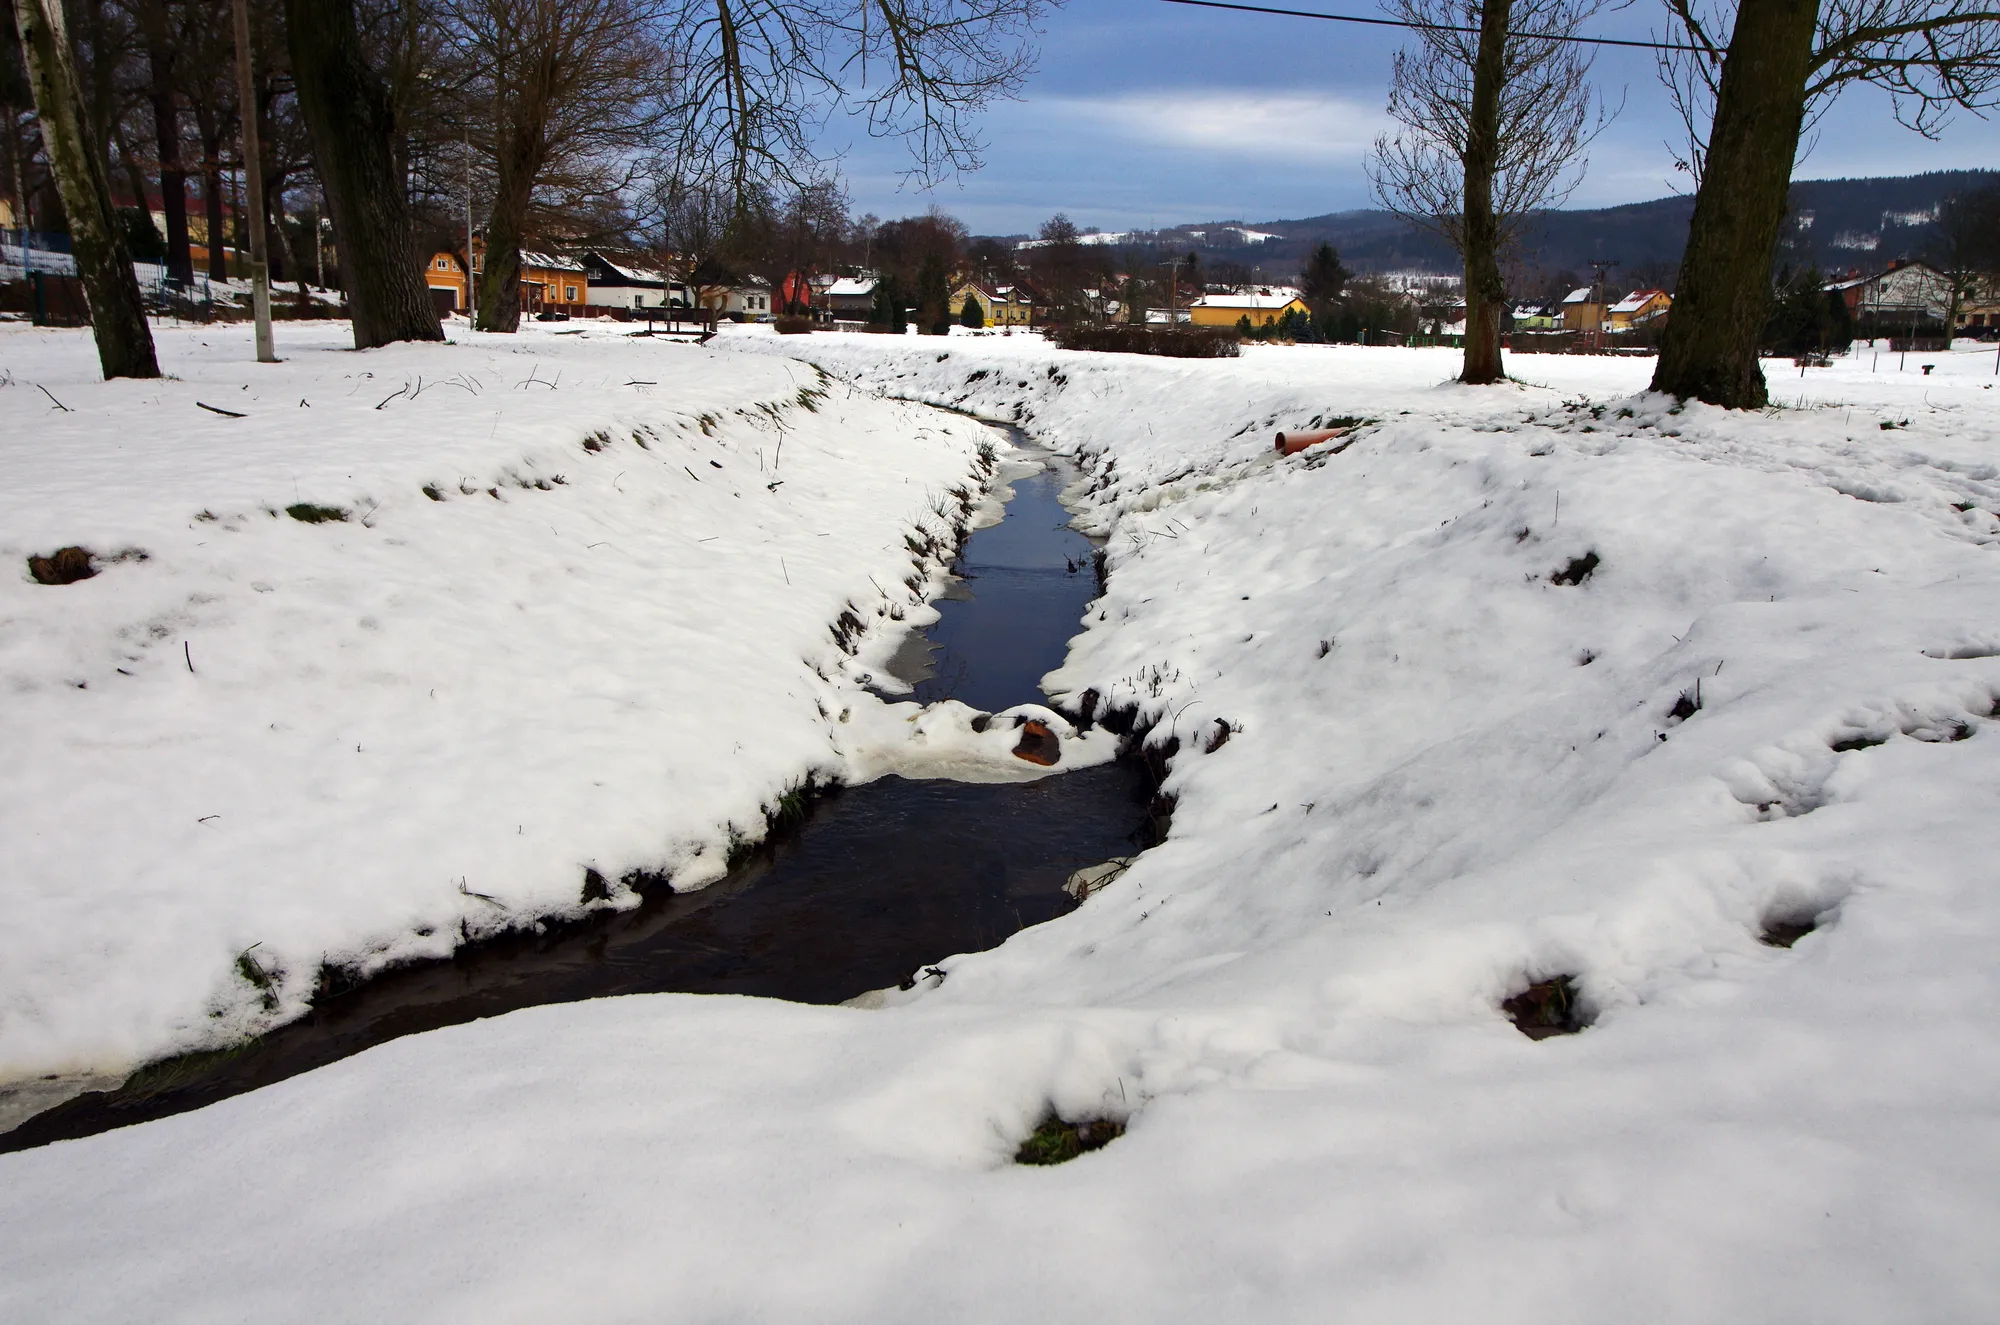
(757, 79)
(1782, 64)
(1062, 268)
(1496, 114)
(1965, 246)
(117, 318)
(348, 109)
(564, 96)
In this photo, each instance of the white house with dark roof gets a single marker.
(622, 282)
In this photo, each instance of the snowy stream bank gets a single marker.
(430, 645)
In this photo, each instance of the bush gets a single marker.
(1178, 342)
(794, 326)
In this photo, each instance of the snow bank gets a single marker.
(572, 603)
(1540, 681)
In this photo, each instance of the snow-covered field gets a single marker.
(1451, 661)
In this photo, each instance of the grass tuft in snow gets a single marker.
(308, 513)
(1548, 1007)
(253, 971)
(167, 1075)
(1059, 1142)
(431, 491)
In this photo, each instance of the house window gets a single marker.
(444, 264)
(569, 294)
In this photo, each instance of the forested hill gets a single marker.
(1836, 224)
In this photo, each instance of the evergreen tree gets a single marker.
(972, 315)
(888, 311)
(1322, 279)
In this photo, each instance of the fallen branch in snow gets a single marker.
(212, 409)
(51, 395)
(392, 395)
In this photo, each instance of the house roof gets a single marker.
(631, 273)
(549, 261)
(1255, 301)
(852, 286)
(1637, 300)
(1578, 296)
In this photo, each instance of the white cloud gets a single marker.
(1291, 125)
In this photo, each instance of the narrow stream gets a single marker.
(880, 879)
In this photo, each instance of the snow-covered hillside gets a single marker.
(1543, 681)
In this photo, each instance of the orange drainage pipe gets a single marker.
(1291, 443)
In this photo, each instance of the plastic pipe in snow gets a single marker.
(1291, 443)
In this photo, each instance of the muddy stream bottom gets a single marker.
(879, 880)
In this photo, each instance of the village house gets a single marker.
(1979, 309)
(1638, 309)
(1902, 298)
(444, 275)
(1582, 311)
(621, 281)
(850, 299)
(1263, 306)
(1535, 317)
(549, 283)
(999, 305)
(749, 301)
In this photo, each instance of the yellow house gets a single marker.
(999, 306)
(1262, 306)
(1638, 308)
(1581, 311)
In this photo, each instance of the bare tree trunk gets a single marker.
(348, 114)
(1709, 350)
(500, 283)
(1485, 291)
(211, 192)
(292, 265)
(167, 131)
(117, 318)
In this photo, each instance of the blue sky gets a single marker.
(1146, 114)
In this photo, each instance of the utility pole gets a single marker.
(471, 289)
(1599, 266)
(253, 180)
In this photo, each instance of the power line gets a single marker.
(1434, 27)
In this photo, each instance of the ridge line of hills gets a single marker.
(1835, 224)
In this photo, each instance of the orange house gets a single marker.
(445, 275)
(549, 282)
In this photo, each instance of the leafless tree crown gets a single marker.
(1933, 57)
(1548, 114)
(758, 80)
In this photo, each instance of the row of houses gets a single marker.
(1583, 310)
(1912, 297)
(1906, 297)
(596, 284)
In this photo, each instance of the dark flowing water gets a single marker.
(879, 881)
